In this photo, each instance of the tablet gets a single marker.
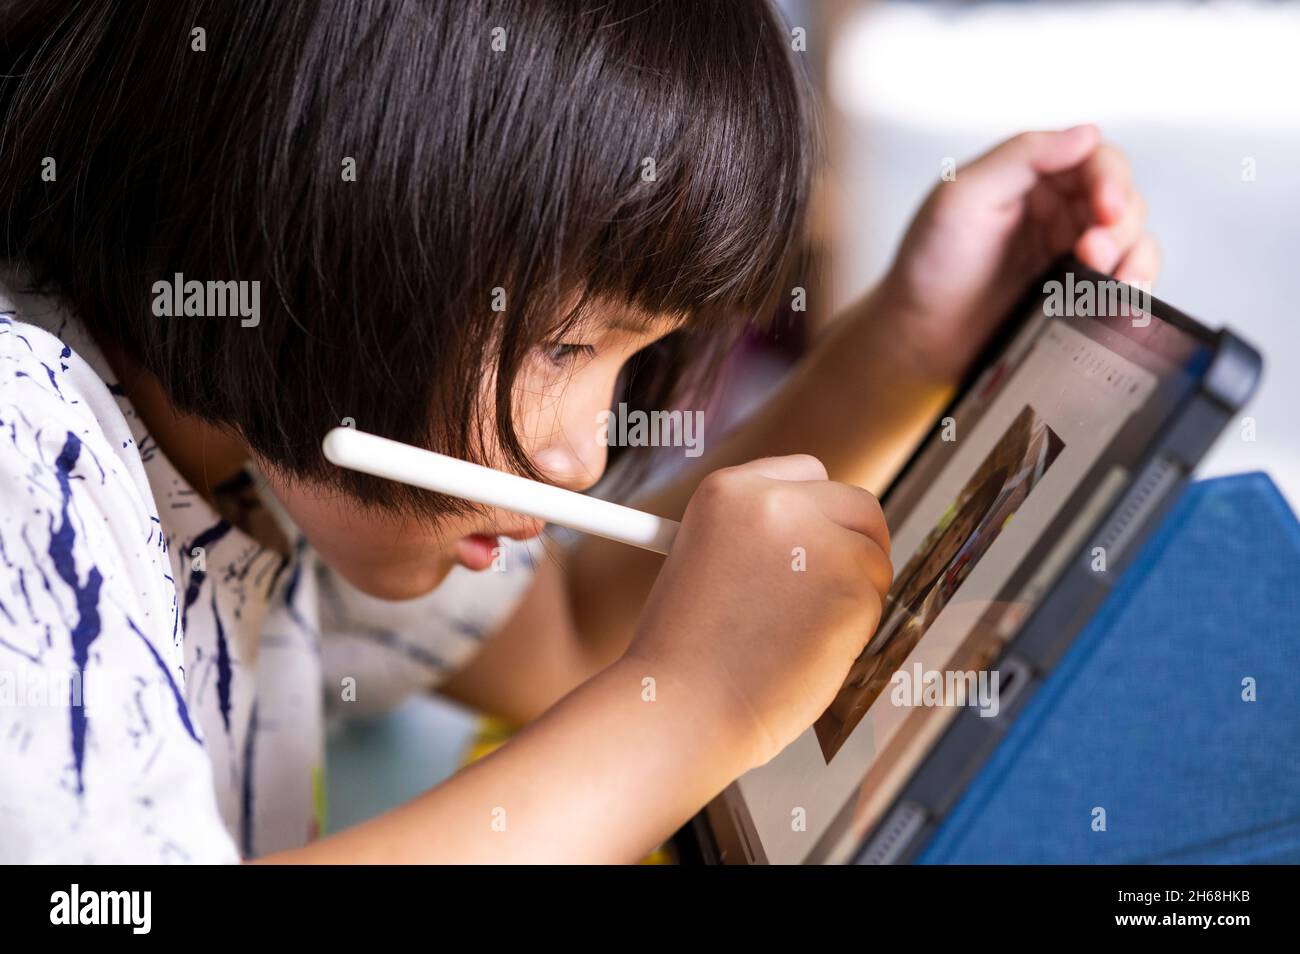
(1010, 524)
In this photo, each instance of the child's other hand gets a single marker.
(981, 238)
(774, 585)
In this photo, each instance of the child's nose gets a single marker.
(572, 465)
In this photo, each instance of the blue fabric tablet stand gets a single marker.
(1145, 716)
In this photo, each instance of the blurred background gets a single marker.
(1203, 97)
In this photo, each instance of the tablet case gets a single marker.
(1170, 731)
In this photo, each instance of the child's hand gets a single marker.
(774, 585)
(980, 239)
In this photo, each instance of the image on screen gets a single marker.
(959, 539)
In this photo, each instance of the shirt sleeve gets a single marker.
(377, 652)
(100, 761)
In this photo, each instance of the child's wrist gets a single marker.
(699, 718)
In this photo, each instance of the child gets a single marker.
(232, 226)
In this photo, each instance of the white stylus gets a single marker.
(372, 454)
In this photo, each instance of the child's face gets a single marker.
(559, 394)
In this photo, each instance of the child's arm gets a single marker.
(603, 777)
(722, 674)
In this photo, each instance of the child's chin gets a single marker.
(476, 551)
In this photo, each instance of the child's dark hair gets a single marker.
(476, 168)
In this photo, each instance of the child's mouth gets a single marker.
(478, 551)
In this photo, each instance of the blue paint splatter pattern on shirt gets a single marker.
(166, 679)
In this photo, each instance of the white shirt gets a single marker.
(206, 661)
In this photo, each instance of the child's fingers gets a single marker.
(1011, 169)
(1104, 246)
(1142, 262)
(1104, 180)
(790, 467)
(852, 508)
(1110, 197)
(1053, 215)
(1108, 181)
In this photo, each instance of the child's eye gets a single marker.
(562, 354)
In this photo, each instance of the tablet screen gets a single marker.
(1000, 497)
